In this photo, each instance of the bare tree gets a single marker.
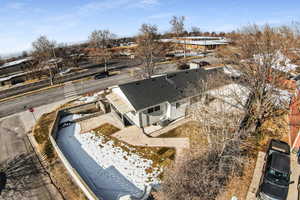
(101, 40)
(149, 49)
(19, 175)
(177, 24)
(195, 30)
(43, 52)
(261, 58)
(177, 27)
(24, 54)
(229, 111)
(210, 164)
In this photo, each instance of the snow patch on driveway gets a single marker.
(109, 171)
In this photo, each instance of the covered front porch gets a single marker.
(119, 108)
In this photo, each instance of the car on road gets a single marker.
(101, 75)
(275, 179)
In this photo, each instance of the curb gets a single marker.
(28, 93)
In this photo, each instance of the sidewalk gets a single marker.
(134, 136)
(295, 168)
(256, 176)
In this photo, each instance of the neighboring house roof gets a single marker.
(170, 87)
(14, 63)
(9, 77)
(233, 95)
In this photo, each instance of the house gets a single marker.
(160, 99)
(13, 79)
(14, 67)
(198, 42)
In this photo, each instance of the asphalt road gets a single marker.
(59, 93)
(13, 142)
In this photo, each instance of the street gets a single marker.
(13, 142)
(59, 93)
(13, 139)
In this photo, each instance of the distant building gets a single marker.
(15, 66)
(199, 42)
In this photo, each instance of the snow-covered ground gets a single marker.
(109, 171)
(88, 99)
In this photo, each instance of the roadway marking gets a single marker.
(69, 90)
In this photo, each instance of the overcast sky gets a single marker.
(22, 21)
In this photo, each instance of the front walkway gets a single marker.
(135, 136)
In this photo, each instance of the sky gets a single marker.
(68, 21)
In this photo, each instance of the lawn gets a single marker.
(106, 129)
(161, 156)
(189, 130)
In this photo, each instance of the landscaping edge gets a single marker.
(73, 173)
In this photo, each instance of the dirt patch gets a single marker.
(189, 130)
(106, 129)
(238, 186)
(65, 183)
(41, 134)
(275, 128)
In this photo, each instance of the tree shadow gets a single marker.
(20, 175)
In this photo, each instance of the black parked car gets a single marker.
(101, 75)
(275, 180)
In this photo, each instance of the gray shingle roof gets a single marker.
(166, 88)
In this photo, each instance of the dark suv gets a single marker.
(101, 75)
(275, 179)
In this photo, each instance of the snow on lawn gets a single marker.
(109, 171)
(88, 99)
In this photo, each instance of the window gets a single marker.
(150, 110)
(157, 108)
(154, 109)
